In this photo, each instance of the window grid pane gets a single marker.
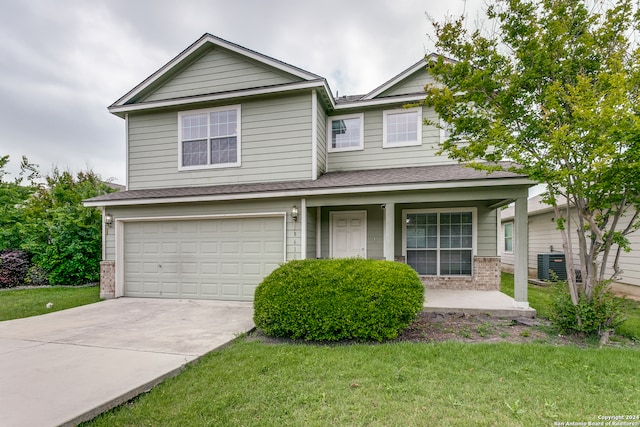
(454, 233)
(194, 126)
(345, 133)
(209, 138)
(402, 127)
(424, 262)
(194, 153)
(508, 237)
(224, 150)
(455, 262)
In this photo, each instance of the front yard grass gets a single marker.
(254, 383)
(19, 303)
(251, 383)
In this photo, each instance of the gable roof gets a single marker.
(197, 48)
(418, 66)
(134, 100)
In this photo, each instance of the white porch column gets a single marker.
(303, 229)
(521, 252)
(389, 235)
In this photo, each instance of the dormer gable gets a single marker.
(409, 82)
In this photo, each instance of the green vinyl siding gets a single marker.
(321, 148)
(374, 156)
(311, 232)
(219, 70)
(487, 232)
(415, 83)
(275, 146)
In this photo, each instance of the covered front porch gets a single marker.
(448, 233)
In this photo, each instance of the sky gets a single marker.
(63, 62)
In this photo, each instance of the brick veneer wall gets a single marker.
(486, 277)
(107, 279)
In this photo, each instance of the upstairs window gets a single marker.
(347, 133)
(402, 127)
(209, 138)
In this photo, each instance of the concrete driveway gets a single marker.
(65, 367)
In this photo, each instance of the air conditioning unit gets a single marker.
(552, 262)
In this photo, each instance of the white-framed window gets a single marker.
(346, 133)
(445, 130)
(440, 242)
(508, 236)
(209, 138)
(402, 127)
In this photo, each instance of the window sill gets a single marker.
(207, 167)
(403, 144)
(342, 150)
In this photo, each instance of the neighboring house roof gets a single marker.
(113, 185)
(535, 206)
(409, 178)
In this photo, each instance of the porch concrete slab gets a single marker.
(66, 367)
(494, 303)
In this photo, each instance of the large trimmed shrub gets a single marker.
(338, 299)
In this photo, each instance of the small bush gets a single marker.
(36, 276)
(603, 313)
(14, 265)
(338, 299)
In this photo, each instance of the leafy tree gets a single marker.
(63, 236)
(13, 196)
(555, 88)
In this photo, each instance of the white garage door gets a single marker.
(205, 259)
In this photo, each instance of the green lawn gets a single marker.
(401, 384)
(540, 299)
(250, 383)
(15, 304)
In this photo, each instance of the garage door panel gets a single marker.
(215, 259)
(189, 267)
(230, 268)
(251, 269)
(150, 267)
(230, 226)
(209, 248)
(169, 267)
(229, 248)
(251, 247)
(150, 227)
(170, 288)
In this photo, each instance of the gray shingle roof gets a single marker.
(335, 180)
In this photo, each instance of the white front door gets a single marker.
(349, 234)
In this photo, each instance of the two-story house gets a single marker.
(237, 162)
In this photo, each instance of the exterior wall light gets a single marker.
(294, 213)
(108, 220)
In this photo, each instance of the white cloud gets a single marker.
(62, 63)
